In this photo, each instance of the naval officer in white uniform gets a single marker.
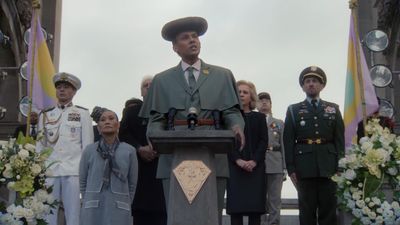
(67, 129)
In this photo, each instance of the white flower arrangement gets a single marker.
(23, 170)
(365, 168)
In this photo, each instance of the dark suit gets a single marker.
(96, 133)
(245, 189)
(22, 128)
(314, 142)
(148, 205)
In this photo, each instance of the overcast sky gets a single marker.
(111, 45)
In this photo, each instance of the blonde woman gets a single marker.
(246, 185)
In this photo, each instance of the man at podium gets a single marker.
(209, 91)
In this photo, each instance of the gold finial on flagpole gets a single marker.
(36, 4)
(353, 4)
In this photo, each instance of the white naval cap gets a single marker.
(67, 77)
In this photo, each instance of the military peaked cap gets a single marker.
(264, 95)
(68, 78)
(312, 71)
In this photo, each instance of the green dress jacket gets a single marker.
(215, 90)
(304, 123)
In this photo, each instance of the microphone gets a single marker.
(170, 119)
(216, 114)
(192, 118)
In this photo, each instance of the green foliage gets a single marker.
(23, 170)
(21, 139)
(371, 184)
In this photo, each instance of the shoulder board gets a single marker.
(47, 109)
(299, 104)
(80, 107)
(331, 104)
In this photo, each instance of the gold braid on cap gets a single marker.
(314, 74)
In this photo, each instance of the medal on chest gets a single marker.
(302, 122)
(330, 109)
(74, 116)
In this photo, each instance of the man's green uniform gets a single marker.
(314, 142)
(192, 84)
(214, 90)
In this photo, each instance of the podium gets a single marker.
(193, 183)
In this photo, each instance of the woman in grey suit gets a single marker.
(107, 176)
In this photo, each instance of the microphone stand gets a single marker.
(216, 114)
(192, 118)
(171, 118)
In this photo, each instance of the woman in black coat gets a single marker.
(246, 185)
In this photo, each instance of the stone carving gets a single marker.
(24, 8)
(388, 10)
(191, 175)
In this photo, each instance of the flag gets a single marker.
(43, 90)
(353, 102)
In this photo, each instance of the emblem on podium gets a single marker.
(191, 175)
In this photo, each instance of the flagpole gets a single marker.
(35, 12)
(353, 4)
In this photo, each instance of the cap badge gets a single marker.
(63, 76)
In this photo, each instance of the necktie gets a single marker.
(33, 131)
(314, 103)
(192, 79)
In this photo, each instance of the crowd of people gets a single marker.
(121, 179)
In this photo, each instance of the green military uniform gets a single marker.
(314, 142)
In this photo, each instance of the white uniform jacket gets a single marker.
(68, 131)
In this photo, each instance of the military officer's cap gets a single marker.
(312, 71)
(264, 95)
(68, 78)
(175, 27)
